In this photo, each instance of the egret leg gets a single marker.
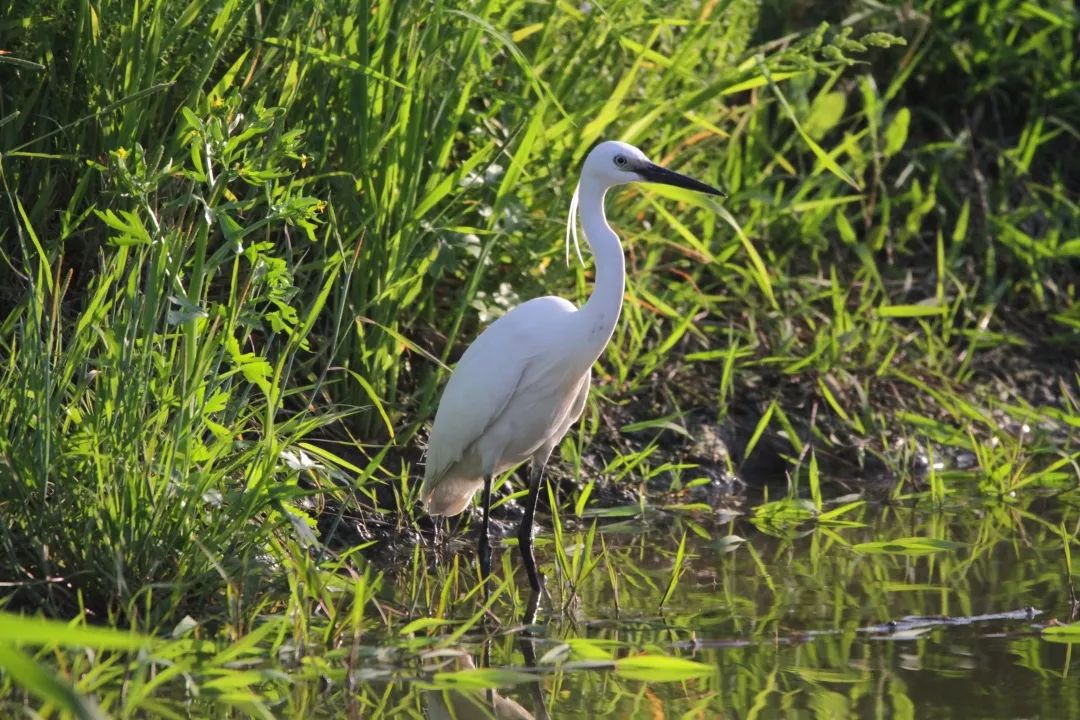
(483, 549)
(525, 540)
(528, 650)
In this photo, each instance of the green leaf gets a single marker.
(825, 113)
(882, 40)
(960, 230)
(130, 226)
(39, 631)
(676, 571)
(843, 226)
(897, 132)
(759, 81)
(761, 275)
(759, 429)
(825, 675)
(376, 401)
(586, 649)
(423, 624)
(664, 423)
(910, 311)
(22, 63)
(907, 546)
(481, 678)
(1069, 248)
(1069, 633)
(617, 511)
(256, 370)
(842, 509)
(689, 507)
(661, 668)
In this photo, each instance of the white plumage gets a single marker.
(512, 397)
(523, 382)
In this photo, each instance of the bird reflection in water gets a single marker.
(487, 704)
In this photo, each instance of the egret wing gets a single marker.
(481, 386)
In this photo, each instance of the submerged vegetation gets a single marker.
(833, 449)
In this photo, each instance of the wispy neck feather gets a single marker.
(571, 228)
(601, 312)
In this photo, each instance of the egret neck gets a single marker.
(601, 312)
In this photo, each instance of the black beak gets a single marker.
(654, 173)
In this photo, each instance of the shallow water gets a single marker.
(795, 622)
(870, 611)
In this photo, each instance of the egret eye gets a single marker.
(620, 161)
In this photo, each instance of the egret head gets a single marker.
(615, 163)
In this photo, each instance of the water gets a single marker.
(796, 622)
(880, 611)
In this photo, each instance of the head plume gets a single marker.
(572, 228)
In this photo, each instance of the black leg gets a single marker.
(525, 538)
(485, 662)
(483, 549)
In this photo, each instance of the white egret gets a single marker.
(523, 382)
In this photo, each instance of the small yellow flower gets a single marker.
(121, 153)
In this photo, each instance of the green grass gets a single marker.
(241, 242)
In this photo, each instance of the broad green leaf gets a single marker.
(825, 113)
(661, 668)
(39, 631)
(586, 649)
(907, 546)
(1069, 633)
(481, 678)
(897, 132)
